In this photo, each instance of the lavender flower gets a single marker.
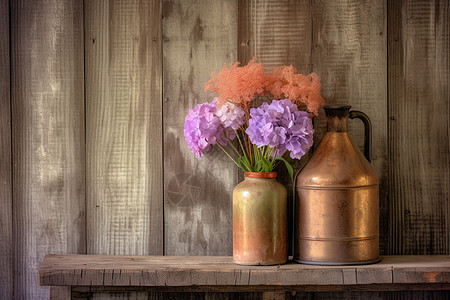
(203, 128)
(282, 126)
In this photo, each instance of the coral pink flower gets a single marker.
(238, 85)
(283, 82)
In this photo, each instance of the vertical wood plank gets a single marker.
(6, 238)
(277, 33)
(60, 293)
(48, 144)
(199, 37)
(419, 106)
(123, 123)
(124, 129)
(349, 54)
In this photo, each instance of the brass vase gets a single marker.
(336, 207)
(260, 220)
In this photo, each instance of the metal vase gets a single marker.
(337, 196)
(260, 220)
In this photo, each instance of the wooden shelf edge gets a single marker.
(156, 272)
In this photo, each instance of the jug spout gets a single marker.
(337, 117)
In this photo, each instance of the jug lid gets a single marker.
(337, 110)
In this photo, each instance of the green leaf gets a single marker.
(259, 166)
(245, 164)
(268, 166)
(241, 165)
(288, 166)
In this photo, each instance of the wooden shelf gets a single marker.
(219, 273)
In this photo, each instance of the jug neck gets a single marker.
(337, 117)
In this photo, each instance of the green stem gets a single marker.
(229, 156)
(233, 147)
(268, 154)
(240, 143)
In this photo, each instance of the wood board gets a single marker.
(48, 136)
(198, 38)
(419, 106)
(6, 237)
(185, 271)
(123, 127)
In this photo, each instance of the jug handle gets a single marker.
(367, 132)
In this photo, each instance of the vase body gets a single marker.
(260, 220)
(337, 196)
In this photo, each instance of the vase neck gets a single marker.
(267, 175)
(337, 117)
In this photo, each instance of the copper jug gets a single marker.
(336, 207)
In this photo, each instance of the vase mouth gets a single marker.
(261, 174)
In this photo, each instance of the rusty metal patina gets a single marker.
(260, 220)
(337, 196)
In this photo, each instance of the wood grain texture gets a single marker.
(349, 54)
(185, 271)
(375, 295)
(419, 108)
(277, 33)
(198, 38)
(124, 127)
(48, 136)
(169, 294)
(60, 293)
(6, 238)
(273, 296)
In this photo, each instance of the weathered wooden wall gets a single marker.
(198, 37)
(47, 104)
(93, 97)
(419, 113)
(6, 239)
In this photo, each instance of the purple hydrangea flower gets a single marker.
(203, 128)
(282, 126)
(232, 117)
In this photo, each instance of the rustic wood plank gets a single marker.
(163, 293)
(124, 129)
(349, 54)
(48, 145)
(123, 124)
(6, 238)
(376, 295)
(273, 295)
(185, 271)
(198, 38)
(277, 33)
(386, 289)
(419, 104)
(125, 295)
(60, 293)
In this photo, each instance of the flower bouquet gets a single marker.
(264, 133)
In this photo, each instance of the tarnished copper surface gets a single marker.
(259, 221)
(337, 201)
